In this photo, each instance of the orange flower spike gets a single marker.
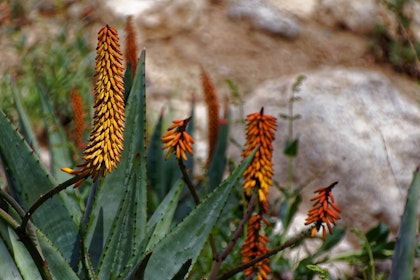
(260, 130)
(103, 151)
(323, 212)
(254, 246)
(130, 44)
(178, 140)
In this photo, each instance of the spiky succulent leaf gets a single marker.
(24, 121)
(60, 157)
(28, 179)
(218, 161)
(19, 257)
(155, 163)
(403, 258)
(187, 239)
(161, 219)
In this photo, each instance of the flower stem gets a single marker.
(12, 202)
(196, 200)
(218, 261)
(40, 263)
(287, 244)
(44, 197)
(188, 181)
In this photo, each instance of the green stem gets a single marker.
(44, 197)
(270, 253)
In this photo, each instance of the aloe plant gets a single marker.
(125, 222)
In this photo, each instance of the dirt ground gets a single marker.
(233, 49)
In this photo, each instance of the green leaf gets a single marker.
(28, 179)
(57, 140)
(323, 273)
(128, 81)
(218, 162)
(187, 239)
(183, 270)
(291, 147)
(60, 157)
(138, 272)
(57, 265)
(121, 239)
(114, 186)
(403, 258)
(24, 121)
(155, 162)
(7, 265)
(161, 219)
(288, 208)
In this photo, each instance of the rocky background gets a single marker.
(360, 117)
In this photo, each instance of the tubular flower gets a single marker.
(103, 151)
(79, 117)
(255, 246)
(323, 212)
(259, 132)
(178, 140)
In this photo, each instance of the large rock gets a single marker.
(265, 16)
(356, 128)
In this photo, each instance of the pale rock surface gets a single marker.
(359, 16)
(265, 16)
(162, 18)
(356, 128)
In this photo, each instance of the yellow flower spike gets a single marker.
(106, 137)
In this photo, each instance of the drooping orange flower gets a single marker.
(324, 211)
(255, 246)
(103, 151)
(130, 44)
(259, 132)
(212, 112)
(79, 115)
(178, 140)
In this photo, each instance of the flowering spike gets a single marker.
(177, 140)
(79, 117)
(254, 246)
(212, 110)
(130, 44)
(323, 212)
(259, 132)
(103, 151)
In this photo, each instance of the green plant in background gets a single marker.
(399, 47)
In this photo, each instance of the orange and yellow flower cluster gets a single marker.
(103, 151)
(323, 211)
(260, 130)
(254, 246)
(178, 140)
